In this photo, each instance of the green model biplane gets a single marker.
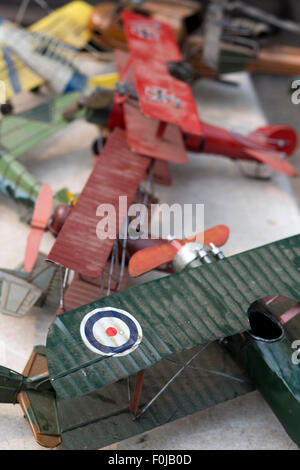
(179, 344)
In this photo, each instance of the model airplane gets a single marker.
(219, 25)
(213, 41)
(105, 23)
(45, 53)
(20, 291)
(118, 172)
(159, 112)
(186, 341)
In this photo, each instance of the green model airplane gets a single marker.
(19, 134)
(188, 341)
(20, 291)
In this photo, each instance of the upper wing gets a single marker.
(175, 313)
(67, 24)
(152, 45)
(117, 173)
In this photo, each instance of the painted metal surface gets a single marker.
(104, 417)
(176, 313)
(151, 257)
(271, 367)
(40, 408)
(105, 23)
(67, 24)
(270, 145)
(20, 291)
(117, 173)
(83, 290)
(38, 225)
(142, 136)
(161, 96)
(35, 395)
(21, 132)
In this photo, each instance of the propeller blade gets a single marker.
(40, 218)
(150, 258)
(272, 159)
(217, 235)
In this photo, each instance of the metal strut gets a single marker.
(170, 381)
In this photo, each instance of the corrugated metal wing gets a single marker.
(117, 173)
(104, 417)
(152, 45)
(142, 136)
(176, 313)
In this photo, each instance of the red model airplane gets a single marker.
(95, 261)
(164, 122)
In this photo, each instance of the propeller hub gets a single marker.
(188, 256)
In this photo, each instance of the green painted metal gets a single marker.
(42, 402)
(104, 417)
(43, 413)
(176, 313)
(20, 133)
(10, 385)
(232, 61)
(16, 181)
(270, 367)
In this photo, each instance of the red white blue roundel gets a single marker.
(110, 331)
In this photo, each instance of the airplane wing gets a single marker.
(117, 173)
(67, 24)
(165, 317)
(104, 417)
(142, 131)
(152, 45)
(15, 75)
(23, 131)
(142, 136)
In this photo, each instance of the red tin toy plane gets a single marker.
(160, 114)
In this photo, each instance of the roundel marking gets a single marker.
(110, 331)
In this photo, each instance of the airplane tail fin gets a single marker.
(271, 145)
(280, 138)
(40, 408)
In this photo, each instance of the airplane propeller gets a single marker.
(39, 224)
(150, 258)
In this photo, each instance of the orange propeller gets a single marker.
(39, 223)
(150, 258)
